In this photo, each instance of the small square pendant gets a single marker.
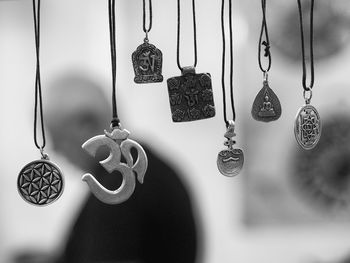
(191, 96)
(147, 62)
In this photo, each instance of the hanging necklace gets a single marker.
(266, 106)
(39, 182)
(190, 95)
(147, 59)
(307, 126)
(118, 144)
(230, 161)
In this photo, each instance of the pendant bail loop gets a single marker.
(265, 76)
(146, 40)
(188, 70)
(44, 156)
(114, 126)
(230, 132)
(307, 94)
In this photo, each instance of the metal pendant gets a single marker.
(119, 145)
(40, 182)
(266, 106)
(230, 161)
(307, 127)
(191, 96)
(147, 62)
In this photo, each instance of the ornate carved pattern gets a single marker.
(307, 128)
(147, 62)
(191, 97)
(40, 182)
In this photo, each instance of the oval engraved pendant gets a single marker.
(40, 182)
(230, 162)
(266, 106)
(307, 127)
(119, 146)
(147, 62)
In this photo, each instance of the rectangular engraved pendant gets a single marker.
(147, 62)
(191, 96)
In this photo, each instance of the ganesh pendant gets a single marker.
(191, 96)
(147, 62)
(230, 161)
(40, 182)
(307, 127)
(119, 159)
(266, 106)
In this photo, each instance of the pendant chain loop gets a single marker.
(223, 62)
(307, 87)
(111, 19)
(38, 103)
(266, 42)
(194, 34)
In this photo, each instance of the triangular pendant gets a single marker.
(266, 106)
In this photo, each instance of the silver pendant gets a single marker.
(147, 62)
(191, 96)
(230, 161)
(266, 106)
(40, 182)
(119, 145)
(307, 127)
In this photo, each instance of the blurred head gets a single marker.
(76, 109)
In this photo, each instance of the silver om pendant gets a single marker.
(119, 145)
(307, 127)
(191, 96)
(40, 182)
(230, 161)
(266, 106)
(147, 62)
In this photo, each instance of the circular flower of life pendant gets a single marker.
(40, 182)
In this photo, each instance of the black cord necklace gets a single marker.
(266, 106)
(229, 161)
(191, 94)
(147, 60)
(40, 182)
(307, 126)
(117, 142)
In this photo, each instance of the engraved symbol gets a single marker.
(175, 99)
(230, 162)
(192, 97)
(178, 115)
(40, 182)
(173, 84)
(119, 145)
(194, 113)
(267, 108)
(307, 127)
(209, 111)
(207, 95)
(147, 61)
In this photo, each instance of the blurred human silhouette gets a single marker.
(156, 224)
